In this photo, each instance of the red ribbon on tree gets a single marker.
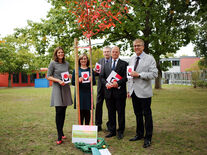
(94, 16)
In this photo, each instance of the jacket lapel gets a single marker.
(117, 65)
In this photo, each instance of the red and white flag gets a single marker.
(85, 76)
(98, 68)
(113, 77)
(65, 77)
(129, 70)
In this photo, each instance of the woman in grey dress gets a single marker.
(61, 94)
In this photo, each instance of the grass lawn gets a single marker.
(27, 123)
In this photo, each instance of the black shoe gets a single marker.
(147, 143)
(110, 135)
(120, 136)
(136, 138)
(99, 128)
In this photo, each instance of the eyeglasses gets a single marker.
(83, 59)
(137, 45)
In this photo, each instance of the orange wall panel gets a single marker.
(4, 80)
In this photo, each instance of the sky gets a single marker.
(15, 13)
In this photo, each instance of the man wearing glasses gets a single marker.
(140, 89)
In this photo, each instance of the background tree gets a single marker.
(165, 26)
(15, 57)
(201, 36)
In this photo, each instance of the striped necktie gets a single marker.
(136, 64)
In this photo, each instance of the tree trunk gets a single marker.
(77, 80)
(9, 80)
(158, 84)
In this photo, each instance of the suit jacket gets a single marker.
(147, 70)
(121, 70)
(100, 86)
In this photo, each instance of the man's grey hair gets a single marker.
(107, 47)
(138, 40)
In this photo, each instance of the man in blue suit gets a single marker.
(140, 89)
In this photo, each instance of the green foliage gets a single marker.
(165, 26)
(203, 63)
(202, 83)
(201, 36)
(15, 56)
(96, 55)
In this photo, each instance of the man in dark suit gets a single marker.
(115, 93)
(140, 89)
(100, 89)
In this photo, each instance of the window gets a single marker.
(41, 75)
(33, 76)
(16, 78)
(176, 63)
(24, 78)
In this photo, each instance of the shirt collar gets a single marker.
(116, 60)
(141, 55)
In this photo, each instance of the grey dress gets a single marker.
(61, 95)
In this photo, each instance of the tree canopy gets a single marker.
(165, 26)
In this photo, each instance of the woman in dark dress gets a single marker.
(61, 94)
(84, 88)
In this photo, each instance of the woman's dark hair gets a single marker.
(55, 58)
(81, 57)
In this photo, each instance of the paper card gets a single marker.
(98, 68)
(113, 77)
(85, 76)
(65, 77)
(104, 152)
(129, 70)
(84, 133)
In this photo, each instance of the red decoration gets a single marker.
(97, 67)
(85, 76)
(65, 76)
(130, 70)
(94, 16)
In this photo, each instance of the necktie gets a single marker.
(113, 67)
(106, 61)
(136, 64)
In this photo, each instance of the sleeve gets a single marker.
(124, 78)
(50, 71)
(73, 78)
(94, 79)
(68, 67)
(103, 76)
(152, 71)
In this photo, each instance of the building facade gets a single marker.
(22, 79)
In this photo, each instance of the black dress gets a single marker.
(84, 90)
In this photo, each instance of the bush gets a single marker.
(205, 84)
(202, 83)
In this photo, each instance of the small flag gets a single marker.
(98, 68)
(65, 77)
(85, 76)
(129, 70)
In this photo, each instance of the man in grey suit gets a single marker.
(115, 93)
(140, 89)
(100, 89)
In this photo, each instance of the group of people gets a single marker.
(138, 87)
